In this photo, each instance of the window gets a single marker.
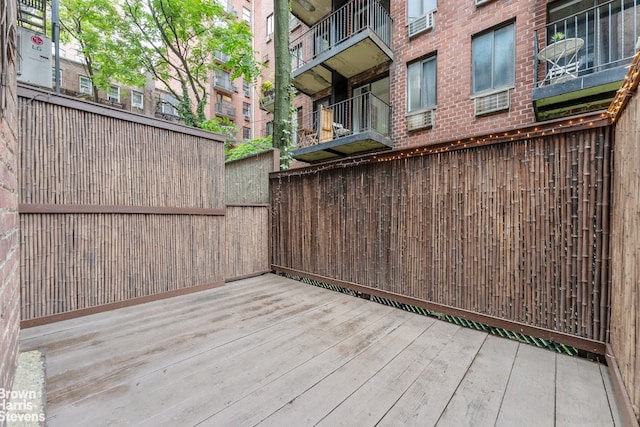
(269, 27)
(246, 133)
(137, 99)
(53, 76)
(246, 88)
(246, 15)
(493, 59)
(246, 110)
(113, 94)
(421, 87)
(222, 80)
(86, 86)
(167, 105)
(293, 22)
(419, 8)
(269, 130)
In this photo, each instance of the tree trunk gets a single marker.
(282, 114)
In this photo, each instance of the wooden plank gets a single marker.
(530, 394)
(318, 401)
(422, 403)
(227, 370)
(477, 400)
(369, 403)
(611, 398)
(580, 395)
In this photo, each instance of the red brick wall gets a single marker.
(9, 226)
(455, 23)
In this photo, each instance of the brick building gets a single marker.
(9, 221)
(380, 74)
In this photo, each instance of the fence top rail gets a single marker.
(34, 94)
(536, 130)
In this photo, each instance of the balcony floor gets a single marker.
(273, 351)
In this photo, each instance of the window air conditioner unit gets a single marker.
(420, 120)
(492, 103)
(421, 24)
(482, 2)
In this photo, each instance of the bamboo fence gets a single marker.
(517, 230)
(247, 179)
(247, 240)
(113, 206)
(625, 251)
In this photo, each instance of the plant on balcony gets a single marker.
(557, 37)
(267, 90)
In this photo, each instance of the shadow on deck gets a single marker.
(273, 351)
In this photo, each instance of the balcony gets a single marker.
(357, 125)
(581, 60)
(223, 83)
(225, 109)
(267, 102)
(310, 11)
(353, 39)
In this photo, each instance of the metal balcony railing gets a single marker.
(349, 20)
(225, 109)
(223, 83)
(595, 39)
(363, 113)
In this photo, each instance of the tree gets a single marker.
(175, 40)
(282, 114)
(107, 59)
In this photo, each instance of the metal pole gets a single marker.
(55, 34)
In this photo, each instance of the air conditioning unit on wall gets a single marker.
(420, 120)
(492, 103)
(421, 24)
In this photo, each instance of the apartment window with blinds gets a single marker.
(493, 59)
(421, 84)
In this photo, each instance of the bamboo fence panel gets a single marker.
(247, 179)
(247, 241)
(625, 251)
(73, 156)
(512, 230)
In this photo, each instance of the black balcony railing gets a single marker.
(363, 113)
(596, 39)
(349, 20)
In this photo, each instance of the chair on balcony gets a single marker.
(326, 124)
(561, 57)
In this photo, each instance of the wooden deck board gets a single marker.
(530, 394)
(578, 401)
(273, 351)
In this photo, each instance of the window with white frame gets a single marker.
(246, 110)
(269, 27)
(246, 88)
(246, 15)
(421, 86)
(53, 76)
(418, 8)
(137, 99)
(86, 85)
(113, 94)
(493, 59)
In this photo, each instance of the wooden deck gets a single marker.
(272, 351)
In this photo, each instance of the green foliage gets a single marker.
(221, 125)
(248, 148)
(96, 26)
(176, 39)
